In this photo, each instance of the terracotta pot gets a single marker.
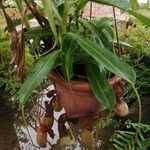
(77, 97)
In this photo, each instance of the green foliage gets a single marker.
(134, 4)
(142, 82)
(106, 58)
(28, 59)
(47, 5)
(108, 121)
(101, 31)
(99, 84)
(95, 41)
(132, 140)
(139, 38)
(68, 48)
(4, 47)
(145, 20)
(9, 83)
(38, 71)
(37, 32)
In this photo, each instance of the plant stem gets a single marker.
(26, 126)
(65, 13)
(139, 103)
(90, 10)
(116, 29)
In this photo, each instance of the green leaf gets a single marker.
(67, 58)
(58, 2)
(35, 44)
(38, 32)
(141, 135)
(120, 143)
(49, 12)
(122, 43)
(145, 144)
(108, 33)
(101, 35)
(122, 4)
(102, 22)
(145, 20)
(107, 39)
(100, 86)
(105, 25)
(127, 134)
(80, 6)
(38, 72)
(123, 138)
(106, 58)
(20, 6)
(138, 142)
(118, 147)
(94, 30)
(83, 57)
(134, 4)
(55, 10)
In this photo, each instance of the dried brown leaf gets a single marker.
(13, 45)
(21, 54)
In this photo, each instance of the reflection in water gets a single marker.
(13, 135)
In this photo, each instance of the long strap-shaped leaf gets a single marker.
(106, 58)
(38, 72)
(100, 86)
(49, 12)
(134, 4)
(68, 47)
(101, 35)
(122, 4)
(140, 17)
(38, 33)
(81, 5)
(93, 29)
(55, 10)
(19, 4)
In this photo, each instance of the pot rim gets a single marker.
(75, 85)
(78, 85)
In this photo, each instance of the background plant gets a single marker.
(137, 56)
(138, 138)
(138, 37)
(62, 18)
(135, 136)
(9, 83)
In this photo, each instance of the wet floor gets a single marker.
(14, 136)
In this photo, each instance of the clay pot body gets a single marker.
(77, 98)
